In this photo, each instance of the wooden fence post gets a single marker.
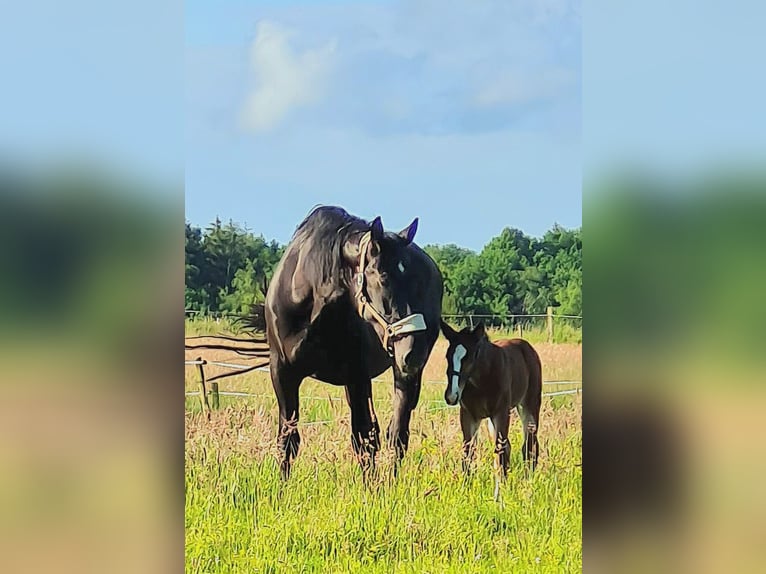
(550, 324)
(214, 394)
(518, 330)
(202, 389)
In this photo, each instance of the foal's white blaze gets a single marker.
(457, 359)
(401, 267)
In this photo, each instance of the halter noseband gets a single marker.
(391, 331)
(468, 378)
(469, 374)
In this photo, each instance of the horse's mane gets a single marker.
(320, 238)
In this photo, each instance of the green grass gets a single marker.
(198, 326)
(565, 330)
(240, 517)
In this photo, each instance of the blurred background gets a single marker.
(674, 448)
(674, 205)
(91, 286)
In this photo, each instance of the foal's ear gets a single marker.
(448, 331)
(376, 227)
(408, 233)
(479, 332)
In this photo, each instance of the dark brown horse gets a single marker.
(488, 379)
(348, 301)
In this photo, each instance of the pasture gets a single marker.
(240, 517)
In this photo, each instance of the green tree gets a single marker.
(195, 296)
(505, 258)
(514, 274)
(448, 258)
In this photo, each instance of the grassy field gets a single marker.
(241, 518)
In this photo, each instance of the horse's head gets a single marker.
(389, 293)
(461, 358)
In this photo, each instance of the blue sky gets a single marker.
(466, 113)
(463, 113)
(96, 83)
(677, 87)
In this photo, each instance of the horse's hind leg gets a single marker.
(501, 422)
(365, 432)
(286, 386)
(529, 408)
(529, 414)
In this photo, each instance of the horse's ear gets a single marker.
(448, 331)
(479, 331)
(376, 227)
(408, 233)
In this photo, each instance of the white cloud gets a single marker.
(518, 89)
(284, 78)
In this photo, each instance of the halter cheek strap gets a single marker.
(391, 331)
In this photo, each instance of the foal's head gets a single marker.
(461, 358)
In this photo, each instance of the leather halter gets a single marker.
(469, 380)
(391, 331)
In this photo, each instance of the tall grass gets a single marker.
(200, 326)
(565, 331)
(240, 517)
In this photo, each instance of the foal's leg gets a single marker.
(469, 426)
(500, 423)
(364, 425)
(286, 386)
(529, 413)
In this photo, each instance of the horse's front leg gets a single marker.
(470, 426)
(406, 395)
(365, 431)
(286, 385)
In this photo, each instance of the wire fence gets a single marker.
(468, 318)
(215, 393)
(551, 323)
(550, 326)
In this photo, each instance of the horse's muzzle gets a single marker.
(409, 355)
(451, 398)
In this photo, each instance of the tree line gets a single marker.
(227, 267)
